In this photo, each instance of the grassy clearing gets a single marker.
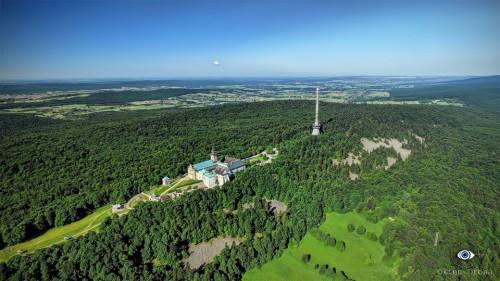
(257, 159)
(162, 188)
(57, 235)
(139, 198)
(173, 186)
(184, 183)
(361, 260)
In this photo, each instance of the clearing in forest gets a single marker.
(361, 259)
(369, 146)
(59, 234)
(205, 252)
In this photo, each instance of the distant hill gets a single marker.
(483, 92)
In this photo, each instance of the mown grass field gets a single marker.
(56, 235)
(361, 260)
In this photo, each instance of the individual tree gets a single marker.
(361, 230)
(351, 227)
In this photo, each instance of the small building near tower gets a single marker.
(166, 181)
(154, 198)
(117, 207)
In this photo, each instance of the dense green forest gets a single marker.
(56, 175)
(58, 172)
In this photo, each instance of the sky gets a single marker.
(104, 39)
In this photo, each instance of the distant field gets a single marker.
(56, 235)
(378, 94)
(361, 260)
(91, 99)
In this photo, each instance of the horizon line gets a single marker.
(194, 78)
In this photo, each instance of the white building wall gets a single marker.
(199, 175)
(210, 182)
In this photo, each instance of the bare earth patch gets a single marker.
(390, 162)
(419, 138)
(276, 206)
(203, 253)
(247, 206)
(353, 176)
(369, 146)
(350, 160)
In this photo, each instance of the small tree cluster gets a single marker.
(325, 269)
(361, 230)
(341, 245)
(328, 239)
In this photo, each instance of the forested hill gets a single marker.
(481, 92)
(56, 175)
(449, 184)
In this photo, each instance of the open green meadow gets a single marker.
(58, 234)
(361, 260)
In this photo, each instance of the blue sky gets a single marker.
(54, 39)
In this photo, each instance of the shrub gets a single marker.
(341, 245)
(331, 241)
(323, 269)
(361, 230)
(332, 272)
(350, 227)
(306, 258)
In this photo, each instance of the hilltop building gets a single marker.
(316, 127)
(215, 173)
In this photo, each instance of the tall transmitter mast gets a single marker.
(316, 126)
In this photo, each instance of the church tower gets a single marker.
(213, 154)
(316, 128)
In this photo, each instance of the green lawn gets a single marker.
(173, 186)
(184, 183)
(256, 159)
(161, 188)
(56, 235)
(361, 260)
